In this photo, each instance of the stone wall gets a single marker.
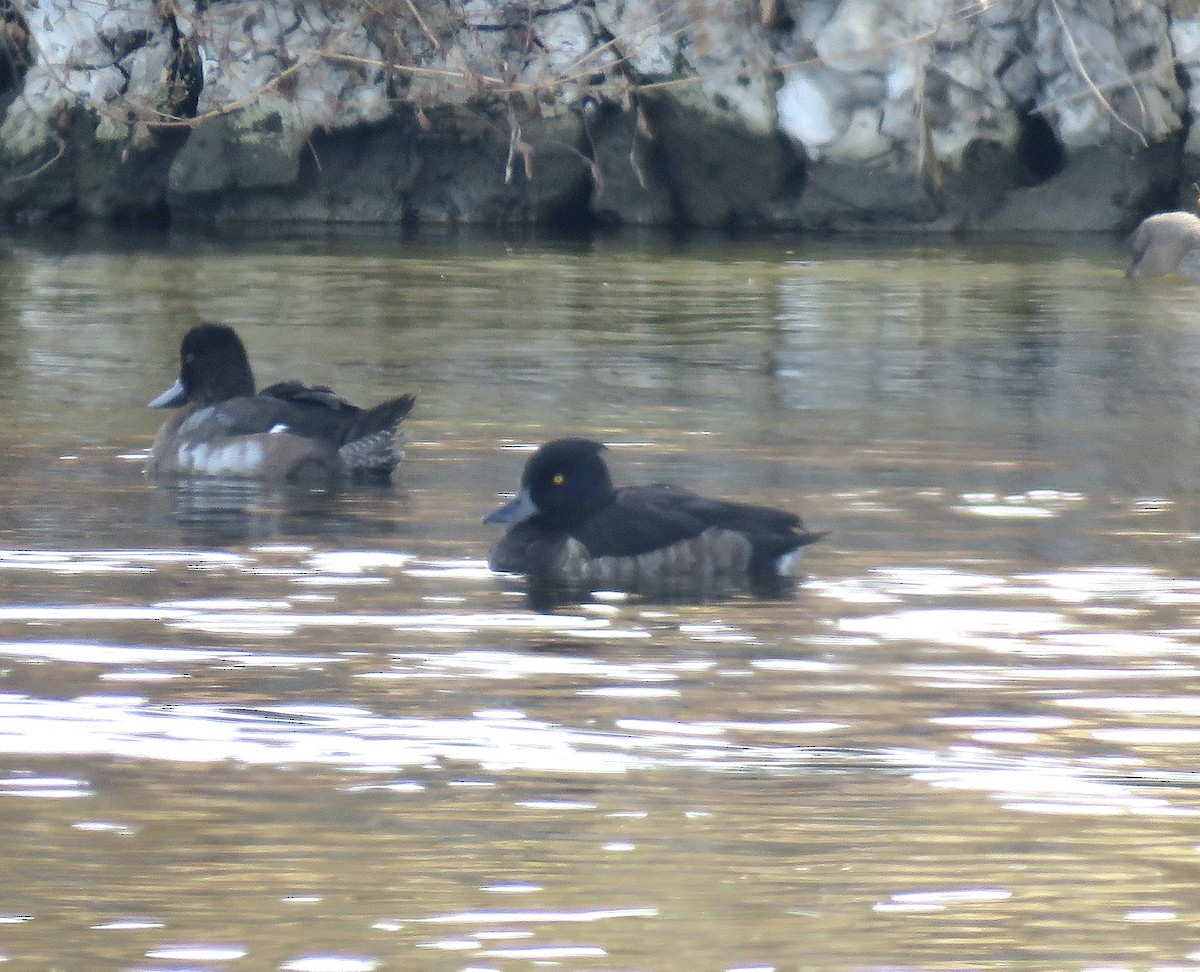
(1004, 115)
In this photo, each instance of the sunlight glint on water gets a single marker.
(315, 733)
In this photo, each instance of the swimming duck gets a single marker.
(570, 525)
(1164, 243)
(287, 432)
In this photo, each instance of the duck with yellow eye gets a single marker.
(569, 524)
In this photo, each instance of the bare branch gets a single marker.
(1087, 78)
(62, 150)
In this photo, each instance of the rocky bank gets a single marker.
(939, 115)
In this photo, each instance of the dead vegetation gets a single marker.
(488, 59)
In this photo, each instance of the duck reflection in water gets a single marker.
(570, 528)
(226, 511)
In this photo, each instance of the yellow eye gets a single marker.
(559, 479)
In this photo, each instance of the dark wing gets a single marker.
(311, 396)
(318, 412)
(641, 519)
(748, 518)
(312, 413)
(645, 518)
(246, 415)
(772, 532)
(309, 411)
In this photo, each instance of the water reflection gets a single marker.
(230, 511)
(549, 596)
(315, 732)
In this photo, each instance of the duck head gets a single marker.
(213, 367)
(564, 482)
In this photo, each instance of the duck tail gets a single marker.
(373, 443)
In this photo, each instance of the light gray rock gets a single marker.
(808, 113)
(1100, 85)
(256, 147)
(1094, 192)
(822, 114)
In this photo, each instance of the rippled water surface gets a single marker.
(245, 730)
